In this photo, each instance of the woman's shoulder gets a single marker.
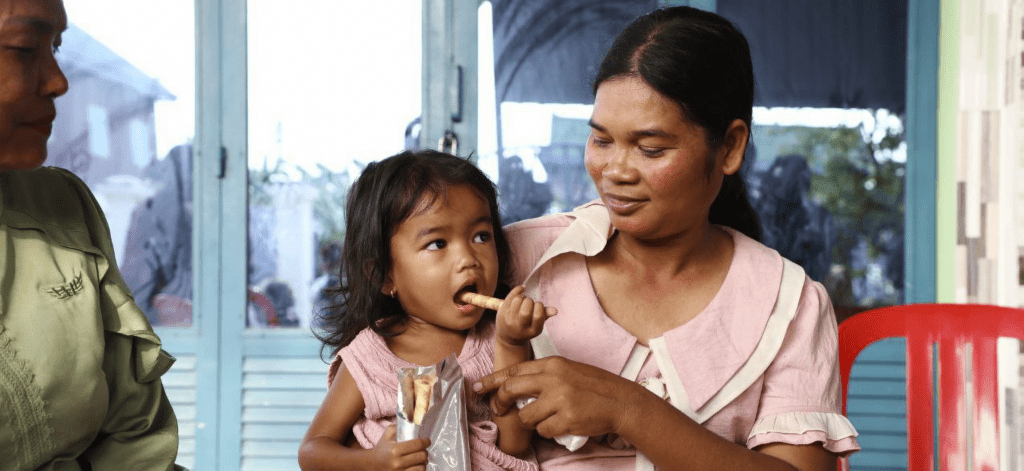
(50, 199)
(547, 227)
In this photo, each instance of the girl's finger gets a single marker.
(526, 312)
(412, 446)
(389, 434)
(411, 460)
(539, 316)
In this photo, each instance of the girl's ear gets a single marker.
(736, 137)
(388, 288)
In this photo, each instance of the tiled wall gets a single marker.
(989, 256)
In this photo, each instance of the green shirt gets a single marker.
(80, 365)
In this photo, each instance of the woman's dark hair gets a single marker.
(387, 193)
(700, 61)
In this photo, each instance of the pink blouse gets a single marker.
(749, 371)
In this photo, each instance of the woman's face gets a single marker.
(650, 164)
(29, 79)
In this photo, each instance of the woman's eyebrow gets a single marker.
(637, 133)
(39, 25)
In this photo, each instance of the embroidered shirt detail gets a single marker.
(21, 400)
(68, 289)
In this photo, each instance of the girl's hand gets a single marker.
(521, 318)
(572, 398)
(408, 455)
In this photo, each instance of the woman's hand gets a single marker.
(520, 319)
(572, 398)
(408, 455)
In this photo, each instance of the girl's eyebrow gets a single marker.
(435, 229)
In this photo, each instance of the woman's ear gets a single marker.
(736, 137)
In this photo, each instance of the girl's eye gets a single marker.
(56, 48)
(436, 245)
(483, 238)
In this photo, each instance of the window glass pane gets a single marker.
(126, 127)
(329, 92)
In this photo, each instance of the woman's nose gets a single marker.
(53, 81)
(620, 167)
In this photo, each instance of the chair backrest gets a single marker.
(952, 327)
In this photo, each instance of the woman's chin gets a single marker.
(22, 159)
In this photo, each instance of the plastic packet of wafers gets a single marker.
(432, 404)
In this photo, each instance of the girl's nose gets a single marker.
(468, 259)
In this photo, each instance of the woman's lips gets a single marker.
(622, 204)
(43, 126)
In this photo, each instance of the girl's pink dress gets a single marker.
(375, 370)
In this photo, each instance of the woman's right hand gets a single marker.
(409, 455)
(572, 398)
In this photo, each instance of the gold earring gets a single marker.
(392, 293)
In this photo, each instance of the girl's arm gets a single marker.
(579, 399)
(519, 320)
(322, 448)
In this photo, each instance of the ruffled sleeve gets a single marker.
(120, 313)
(832, 430)
(800, 403)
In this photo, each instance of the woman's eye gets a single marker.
(482, 238)
(599, 142)
(436, 245)
(22, 50)
(652, 152)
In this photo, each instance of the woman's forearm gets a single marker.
(671, 440)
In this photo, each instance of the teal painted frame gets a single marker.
(922, 159)
(234, 227)
(206, 236)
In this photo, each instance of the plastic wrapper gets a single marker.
(443, 419)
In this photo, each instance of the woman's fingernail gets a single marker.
(477, 386)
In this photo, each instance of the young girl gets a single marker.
(422, 229)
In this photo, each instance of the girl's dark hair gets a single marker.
(702, 62)
(387, 193)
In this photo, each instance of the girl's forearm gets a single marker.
(326, 454)
(513, 437)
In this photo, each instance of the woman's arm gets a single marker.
(322, 448)
(579, 399)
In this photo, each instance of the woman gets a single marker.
(684, 343)
(79, 365)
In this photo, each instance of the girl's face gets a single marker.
(441, 251)
(29, 79)
(650, 164)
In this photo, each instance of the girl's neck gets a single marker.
(426, 344)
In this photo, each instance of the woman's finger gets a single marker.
(493, 381)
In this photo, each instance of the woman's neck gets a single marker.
(670, 256)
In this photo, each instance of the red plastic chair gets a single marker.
(952, 327)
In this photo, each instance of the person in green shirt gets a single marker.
(80, 365)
